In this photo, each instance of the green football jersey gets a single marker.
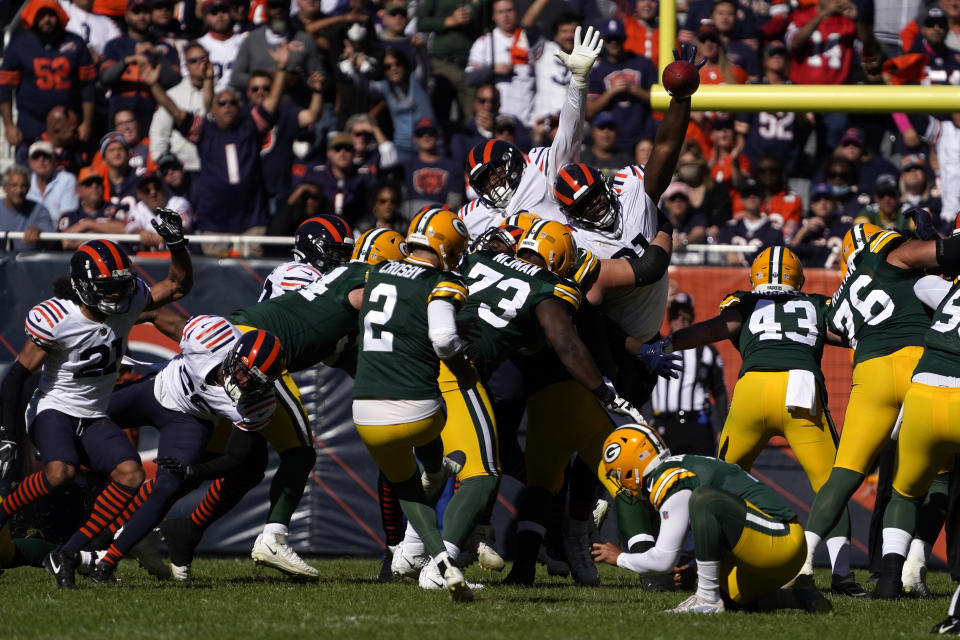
(875, 309)
(314, 324)
(691, 472)
(499, 318)
(780, 330)
(395, 359)
(941, 349)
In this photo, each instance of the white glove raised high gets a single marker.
(585, 51)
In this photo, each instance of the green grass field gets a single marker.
(228, 599)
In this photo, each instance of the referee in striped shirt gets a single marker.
(686, 408)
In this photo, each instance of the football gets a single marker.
(681, 79)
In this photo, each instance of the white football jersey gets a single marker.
(535, 192)
(80, 371)
(183, 385)
(289, 276)
(223, 53)
(96, 30)
(638, 311)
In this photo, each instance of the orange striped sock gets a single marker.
(108, 505)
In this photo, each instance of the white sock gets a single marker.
(86, 557)
(896, 541)
(919, 551)
(813, 541)
(410, 536)
(453, 551)
(708, 580)
(954, 610)
(839, 549)
(276, 529)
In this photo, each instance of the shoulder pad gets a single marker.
(207, 333)
(570, 295)
(42, 322)
(731, 300)
(666, 481)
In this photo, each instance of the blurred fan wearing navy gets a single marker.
(78, 343)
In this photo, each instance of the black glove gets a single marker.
(612, 402)
(923, 219)
(174, 467)
(660, 363)
(8, 455)
(688, 53)
(169, 226)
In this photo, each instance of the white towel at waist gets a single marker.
(801, 390)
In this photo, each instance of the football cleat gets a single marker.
(104, 573)
(552, 557)
(807, 595)
(430, 577)
(182, 537)
(451, 578)
(576, 546)
(433, 482)
(386, 571)
(272, 550)
(181, 573)
(148, 556)
(914, 578)
(600, 511)
(63, 565)
(482, 539)
(409, 558)
(947, 626)
(696, 604)
(888, 588)
(846, 586)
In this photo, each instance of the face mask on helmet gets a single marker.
(497, 180)
(114, 295)
(101, 276)
(499, 239)
(322, 254)
(254, 362)
(593, 208)
(629, 454)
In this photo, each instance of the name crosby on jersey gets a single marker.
(402, 270)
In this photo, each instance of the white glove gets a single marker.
(584, 54)
(614, 403)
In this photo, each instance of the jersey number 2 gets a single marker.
(375, 338)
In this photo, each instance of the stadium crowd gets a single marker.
(378, 103)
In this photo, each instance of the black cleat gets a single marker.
(808, 596)
(63, 565)
(947, 626)
(520, 576)
(888, 588)
(182, 537)
(386, 573)
(846, 586)
(104, 573)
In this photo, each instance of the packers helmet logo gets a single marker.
(612, 452)
(460, 227)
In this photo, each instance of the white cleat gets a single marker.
(147, 553)
(576, 546)
(181, 574)
(600, 511)
(452, 580)
(409, 558)
(433, 482)
(272, 550)
(696, 604)
(914, 578)
(482, 539)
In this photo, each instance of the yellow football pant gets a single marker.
(470, 426)
(562, 419)
(391, 445)
(757, 413)
(929, 437)
(761, 562)
(876, 395)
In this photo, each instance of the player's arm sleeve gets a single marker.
(566, 144)
(663, 555)
(238, 448)
(442, 328)
(931, 290)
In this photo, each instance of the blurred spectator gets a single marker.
(551, 75)
(370, 145)
(345, 186)
(47, 67)
(951, 8)
(55, 189)
(454, 25)
(276, 155)
(943, 64)
(700, 12)
(220, 40)
(112, 8)
(406, 100)
(95, 30)
(604, 153)
(719, 69)
(94, 214)
(889, 18)
(820, 39)
(738, 52)
(687, 228)
(753, 229)
(818, 240)
(192, 94)
(868, 165)
(125, 123)
(305, 201)
(122, 57)
(240, 13)
(728, 165)
(482, 126)
(782, 206)
(503, 56)
(176, 180)
(841, 176)
(431, 178)
(706, 197)
(393, 35)
(385, 212)
(643, 30)
(544, 131)
(620, 83)
(779, 134)
(642, 151)
(916, 185)
(231, 197)
(886, 211)
(164, 23)
(150, 196)
(256, 52)
(62, 134)
(17, 213)
(358, 66)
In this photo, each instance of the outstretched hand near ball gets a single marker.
(681, 78)
(585, 51)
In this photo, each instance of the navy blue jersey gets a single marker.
(230, 189)
(823, 249)
(129, 92)
(276, 152)
(632, 115)
(737, 232)
(744, 56)
(433, 181)
(109, 211)
(45, 76)
(700, 10)
(349, 197)
(942, 65)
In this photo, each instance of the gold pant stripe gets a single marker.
(470, 426)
